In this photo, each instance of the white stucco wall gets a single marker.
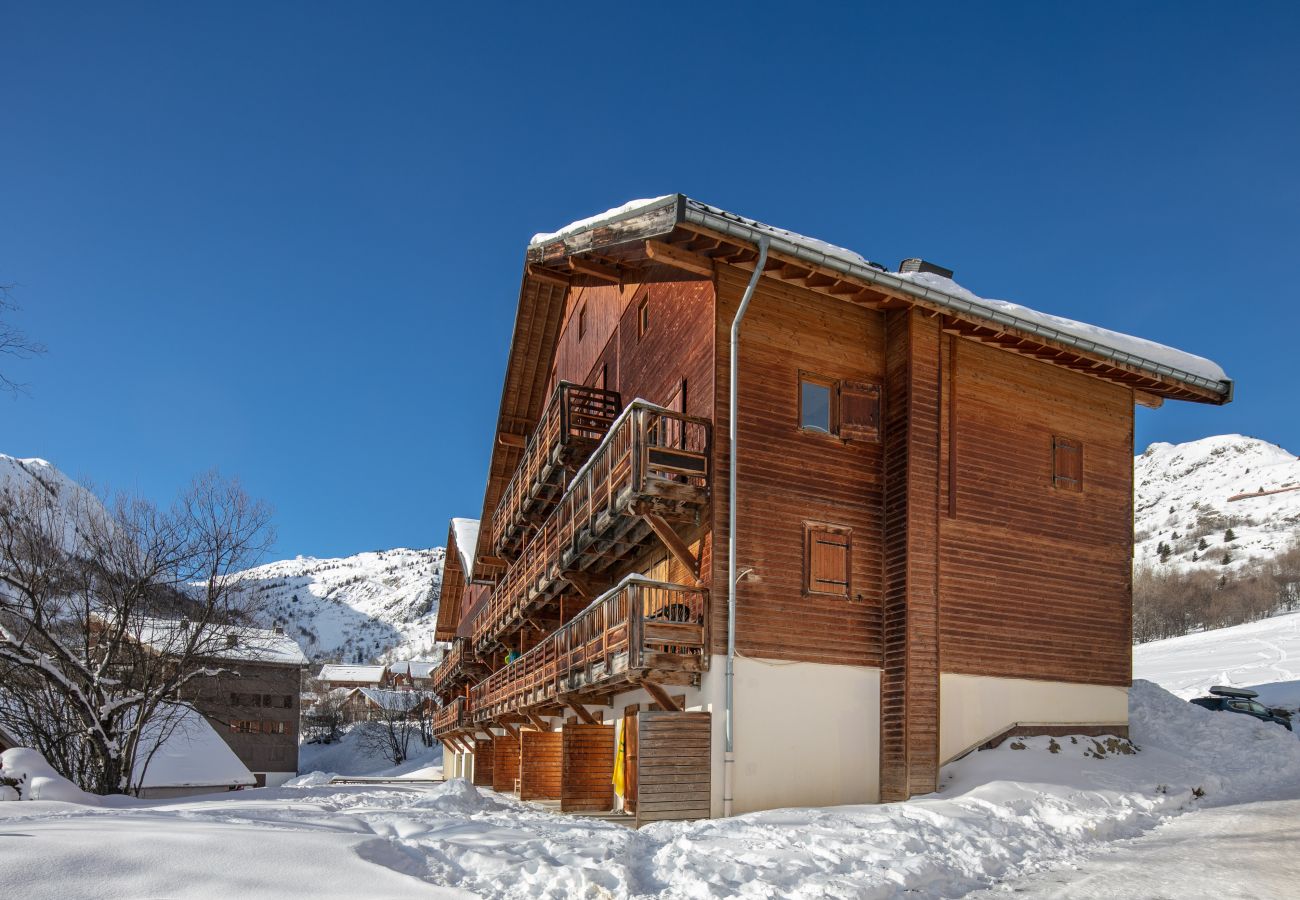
(275, 779)
(807, 734)
(973, 708)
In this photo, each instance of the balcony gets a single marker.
(639, 627)
(450, 718)
(653, 462)
(460, 666)
(575, 421)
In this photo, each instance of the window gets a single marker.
(816, 404)
(827, 559)
(269, 727)
(1067, 464)
(643, 316)
(245, 726)
(582, 321)
(288, 701)
(846, 409)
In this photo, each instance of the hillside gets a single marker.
(1181, 496)
(1264, 656)
(383, 603)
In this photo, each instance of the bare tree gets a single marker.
(395, 718)
(13, 342)
(108, 615)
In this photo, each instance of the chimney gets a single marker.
(277, 629)
(916, 264)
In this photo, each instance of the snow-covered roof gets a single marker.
(416, 668)
(231, 642)
(189, 753)
(1150, 356)
(394, 700)
(374, 674)
(466, 531)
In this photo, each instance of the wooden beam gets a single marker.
(585, 585)
(506, 439)
(661, 697)
(583, 713)
(596, 270)
(679, 258)
(1150, 401)
(510, 729)
(538, 722)
(539, 274)
(676, 546)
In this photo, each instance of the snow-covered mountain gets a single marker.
(381, 604)
(1181, 502)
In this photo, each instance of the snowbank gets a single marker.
(35, 779)
(1026, 806)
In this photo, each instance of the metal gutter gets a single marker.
(733, 432)
(703, 216)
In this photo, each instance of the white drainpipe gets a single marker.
(729, 756)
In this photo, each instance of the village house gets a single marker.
(253, 700)
(767, 524)
(333, 676)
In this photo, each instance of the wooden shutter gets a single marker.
(827, 559)
(1067, 463)
(860, 410)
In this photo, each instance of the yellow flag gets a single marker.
(620, 784)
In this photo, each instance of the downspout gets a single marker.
(729, 755)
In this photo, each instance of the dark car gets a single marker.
(1241, 700)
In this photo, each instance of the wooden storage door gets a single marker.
(540, 765)
(629, 762)
(588, 768)
(483, 763)
(673, 773)
(505, 763)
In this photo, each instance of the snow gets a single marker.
(336, 673)
(628, 207)
(1000, 310)
(1001, 814)
(350, 756)
(1263, 656)
(377, 605)
(231, 642)
(1183, 490)
(37, 780)
(466, 532)
(191, 754)
(391, 700)
(416, 668)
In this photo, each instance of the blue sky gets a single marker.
(285, 239)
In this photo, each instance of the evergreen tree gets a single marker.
(1227, 558)
(1202, 545)
(1229, 536)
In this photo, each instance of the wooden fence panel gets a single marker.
(505, 763)
(540, 765)
(588, 766)
(483, 763)
(674, 753)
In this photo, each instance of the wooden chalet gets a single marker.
(933, 524)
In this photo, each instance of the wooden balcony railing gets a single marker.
(651, 459)
(575, 421)
(452, 717)
(460, 665)
(639, 625)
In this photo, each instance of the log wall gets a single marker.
(788, 476)
(1035, 579)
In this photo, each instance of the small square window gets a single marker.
(816, 405)
(643, 317)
